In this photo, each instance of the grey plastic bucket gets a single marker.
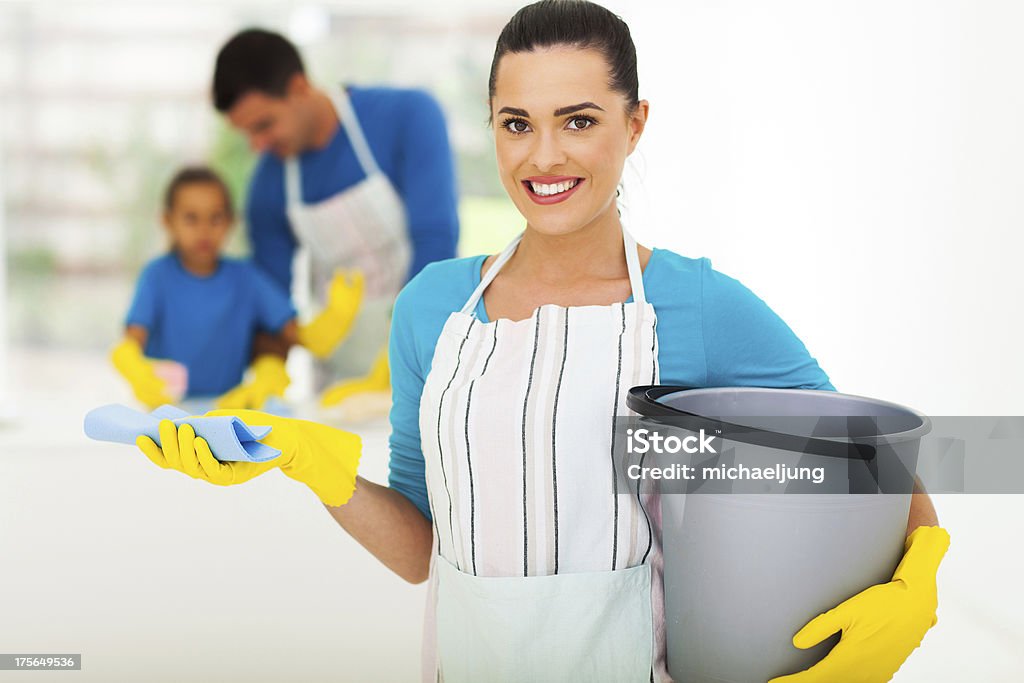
(744, 571)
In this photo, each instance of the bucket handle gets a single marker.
(644, 400)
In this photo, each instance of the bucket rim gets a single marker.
(917, 432)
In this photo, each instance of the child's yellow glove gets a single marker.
(140, 372)
(269, 378)
(882, 625)
(321, 457)
(325, 332)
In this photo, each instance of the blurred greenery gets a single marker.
(231, 157)
(137, 176)
(487, 224)
(31, 270)
(38, 261)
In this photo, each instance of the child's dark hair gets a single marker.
(254, 60)
(195, 175)
(576, 23)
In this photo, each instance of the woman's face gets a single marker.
(562, 136)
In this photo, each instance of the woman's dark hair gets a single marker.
(196, 175)
(576, 23)
(254, 60)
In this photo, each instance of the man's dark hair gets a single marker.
(254, 60)
(196, 175)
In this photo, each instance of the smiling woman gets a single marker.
(508, 372)
(562, 136)
(585, 141)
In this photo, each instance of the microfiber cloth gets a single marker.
(230, 439)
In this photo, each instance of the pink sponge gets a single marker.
(175, 375)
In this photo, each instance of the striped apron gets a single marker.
(363, 227)
(542, 570)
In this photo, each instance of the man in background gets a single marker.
(358, 178)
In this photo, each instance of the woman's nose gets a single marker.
(547, 152)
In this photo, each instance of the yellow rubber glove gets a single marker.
(269, 378)
(139, 371)
(378, 379)
(344, 295)
(882, 625)
(321, 457)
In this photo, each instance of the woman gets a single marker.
(507, 373)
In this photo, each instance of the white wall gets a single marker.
(859, 166)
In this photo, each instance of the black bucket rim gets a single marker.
(641, 400)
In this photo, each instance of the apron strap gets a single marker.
(636, 280)
(343, 105)
(292, 182)
(636, 275)
(505, 255)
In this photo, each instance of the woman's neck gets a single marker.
(594, 252)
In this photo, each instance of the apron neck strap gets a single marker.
(347, 115)
(488, 278)
(292, 182)
(632, 264)
(343, 106)
(636, 275)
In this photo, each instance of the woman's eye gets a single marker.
(517, 126)
(580, 123)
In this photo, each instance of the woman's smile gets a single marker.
(551, 189)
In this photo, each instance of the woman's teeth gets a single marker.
(557, 188)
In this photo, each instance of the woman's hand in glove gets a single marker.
(321, 457)
(185, 452)
(882, 625)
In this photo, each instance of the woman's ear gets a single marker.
(637, 122)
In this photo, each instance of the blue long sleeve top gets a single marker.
(712, 332)
(406, 132)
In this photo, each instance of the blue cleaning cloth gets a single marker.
(230, 439)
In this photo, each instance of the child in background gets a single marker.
(200, 309)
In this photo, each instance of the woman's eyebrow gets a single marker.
(562, 111)
(514, 112)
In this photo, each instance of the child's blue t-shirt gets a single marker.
(206, 323)
(712, 332)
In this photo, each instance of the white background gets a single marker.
(860, 166)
